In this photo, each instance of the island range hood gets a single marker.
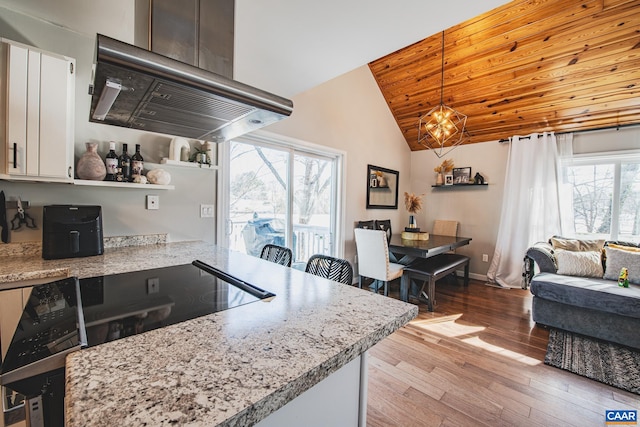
(140, 89)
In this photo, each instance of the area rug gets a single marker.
(602, 361)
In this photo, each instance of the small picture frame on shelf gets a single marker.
(461, 175)
(448, 179)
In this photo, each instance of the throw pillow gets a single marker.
(624, 248)
(617, 259)
(584, 264)
(576, 245)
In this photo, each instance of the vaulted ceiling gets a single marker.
(527, 66)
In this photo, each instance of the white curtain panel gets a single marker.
(565, 189)
(530, 208)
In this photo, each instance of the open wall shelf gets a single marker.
(458, 185)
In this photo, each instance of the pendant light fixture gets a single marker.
(442, 128)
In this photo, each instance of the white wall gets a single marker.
(349, 113)
(477, 209)
(627, 138)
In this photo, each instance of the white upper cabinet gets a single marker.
(39, 93)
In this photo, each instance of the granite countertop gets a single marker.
(21, 262)
(231, 368)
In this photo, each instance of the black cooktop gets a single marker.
(115, 306)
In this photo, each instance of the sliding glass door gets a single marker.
(281, 195)
(312, 206)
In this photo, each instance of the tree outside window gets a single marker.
(606, 198)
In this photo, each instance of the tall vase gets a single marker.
(439, 179)
(90, 166)
(412, 222)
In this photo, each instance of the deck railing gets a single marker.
(307, 240)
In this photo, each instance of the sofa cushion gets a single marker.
(597, 294)
(623, 247)
(617, 259)
(576, 245)
(585, 263)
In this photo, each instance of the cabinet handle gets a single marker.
(70, 172)
(15, 155)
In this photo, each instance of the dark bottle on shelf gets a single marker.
(137, 163)
(111, 161)
(124, 163)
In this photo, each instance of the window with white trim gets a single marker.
(604, 193)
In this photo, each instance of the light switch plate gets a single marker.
(206, 211)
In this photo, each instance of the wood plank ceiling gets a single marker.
(528, 66)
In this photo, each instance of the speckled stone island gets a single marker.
(231, 368)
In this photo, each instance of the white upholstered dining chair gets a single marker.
(373, 258)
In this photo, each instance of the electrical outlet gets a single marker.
(206, 211)
(485, 258)
(153, 285)
(153, 202)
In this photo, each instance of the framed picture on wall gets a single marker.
(461, 175)
(382, 188)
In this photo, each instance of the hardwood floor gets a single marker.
(478, 360)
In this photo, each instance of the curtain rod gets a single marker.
(505, 140)
(617, 127)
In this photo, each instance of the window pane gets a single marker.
(629, 219)
(258, 197)
(592, 197)
(311, 206)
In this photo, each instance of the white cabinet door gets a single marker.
(18, 58)
(40, 114)
(56, 117)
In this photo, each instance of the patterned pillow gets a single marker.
(576, 245)
(584, 264)
(617, 259)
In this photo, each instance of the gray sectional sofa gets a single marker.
(590, 306)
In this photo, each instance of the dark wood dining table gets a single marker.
(426, 248)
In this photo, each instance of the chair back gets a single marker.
(373, 253)
(369, 224)
(445, 228)
(278, 254)
(336, 269)
(384, 225)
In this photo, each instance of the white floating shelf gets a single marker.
(180, 163)
(131, 185)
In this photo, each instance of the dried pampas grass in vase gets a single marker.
(413, 204)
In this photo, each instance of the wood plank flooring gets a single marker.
(477, 360)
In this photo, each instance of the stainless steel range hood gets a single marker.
(140, 89)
